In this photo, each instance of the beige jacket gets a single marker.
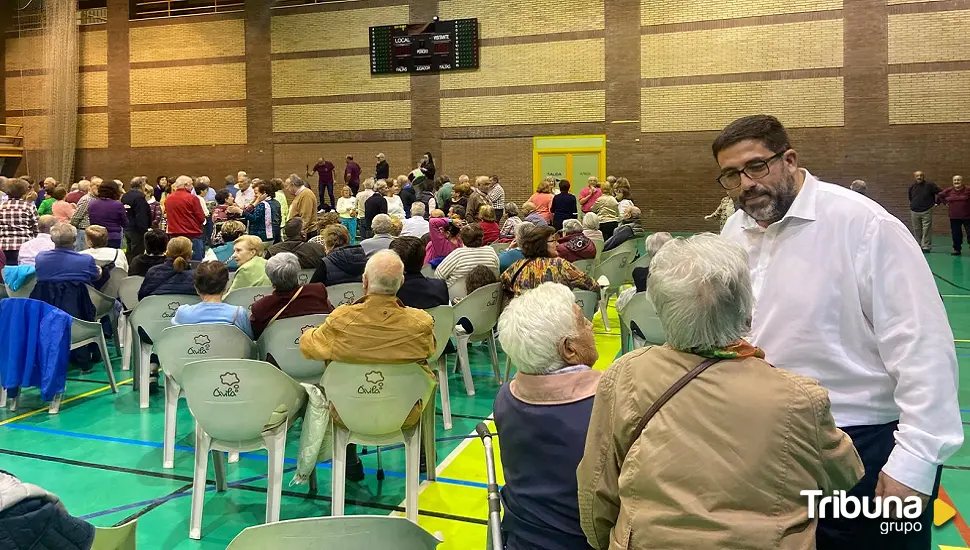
(721, 465)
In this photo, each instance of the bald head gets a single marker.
(45, 223)
(384, 273)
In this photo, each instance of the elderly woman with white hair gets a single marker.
(591, 226)
(542, 415)
(629, 229)
(653, 244)
(758, 435)
(283, 271)
(574, 245)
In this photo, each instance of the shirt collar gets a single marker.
(803, 208)
(555, 389)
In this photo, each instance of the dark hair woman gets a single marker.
(541, 264)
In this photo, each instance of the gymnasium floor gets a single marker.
(102, 455)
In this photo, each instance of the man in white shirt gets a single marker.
(416, 225)
(42, 242)
(246, 195)
(845, 296)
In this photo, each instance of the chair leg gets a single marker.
(219, 467)
(144, 372)
(338, 476)
(172, 391)
(412, 468)
(380, 464)
(3, 397)
(443, 388)
(55, 403)
(604, 303)
(466, 370)
(128, 346)
(103, 347)
(624, 339)
(428, 441)
(275, 442)
(202, 443)
(314, 484)
(494, 356)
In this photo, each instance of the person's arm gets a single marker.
(915, 343)
(912, 187)
(447, 266)
(317, 343)
(121, 217)
(143, 216)
(941, 197)
(839, 467)
(435, 225)
(32, 221)
(599, 471)
(578, 279)
(197, 211)
(241, 320)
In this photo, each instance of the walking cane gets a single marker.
(494, 499)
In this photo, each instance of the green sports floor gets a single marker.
(102, 455)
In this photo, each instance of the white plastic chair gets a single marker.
(458, 289)
(586, 266)
(82, 334)
(178, 346)
(640, 310)
(614, 269)
(427, 271)
(305, 276)
(346, 293)
(481, 308)
(587, 300)
(347, 532)
(282, 340)
(239, 405)
(153, 315)
(115, 538)
(599, 244)
(112, 288)
(246, 297)
(444, 326)
(626, 247)
(104, 306)
(128, 294)
(373, 401)
(24, 291)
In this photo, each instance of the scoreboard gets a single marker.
(425, 47)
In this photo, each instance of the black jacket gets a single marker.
(343, 265)
(162, 279)
(42, 523)
(140, 264)
(421, 292)
(922, 196)
(139, 213)
(373, 206)
(383, 170)
(408, 197)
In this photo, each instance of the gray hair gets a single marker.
(45, 223)
(858, 185)
(283, 271)
(204, 180)
(654, 242)
(381, 224)
(63, 235)
(295, 180)
(368, 183)
(533, 326)
(632, 212)
(384, 273)
(380, 186)
(511, 209)
(571, 226)
(417, 209)
(701, 290)
(523, 229)
(591, 221)
(182, 182)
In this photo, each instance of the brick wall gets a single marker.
(270, 91)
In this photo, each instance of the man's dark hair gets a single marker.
(459, 210)
(221, 196)
(211, 278)
(156, 241)
(472, 235)
(293, 228)
(764, 128)
(563, 186)
(59, 192)
(534, 243)
(411, 250)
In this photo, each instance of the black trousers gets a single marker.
(957, 228)
(136, 244)
(874, 443)
(608, 228)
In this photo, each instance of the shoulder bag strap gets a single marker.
(282, 309)
(671, 391)
(519, 271)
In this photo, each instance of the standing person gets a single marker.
(496, 194)
(957, 198)
(61, 209)
(161, 187)
(608, 209)
(563, 206)
(185, 216)
(443, 187)
(477, 199)
(81, 220)
(922, 199)
(542, 199)
(108, 212)
(280, 197)
(263, 214)
(427, 166)
(363, 223)
(44, 207)
(407, 194)
(324, 169)
(246, 194)
(589, 194)
(231, 186)
(624, 198)
(347, 209)
(304, 202)
(383, 170)
(352, 174)
(139, 216)
(374, 205)
(74, 196)
(723, 211)
(865, 318)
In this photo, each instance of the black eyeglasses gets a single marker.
(754, 170)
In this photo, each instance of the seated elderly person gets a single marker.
(629, 229)
(174, 275)
(529, 214)
(211, 279)
(63, 263)
(474, 252)
(309, 254)
(344, 263)
(542, 414)
(96, 238)
(591, 226)
(248, 253)
(381, 225)
(156, 242)
(574, 245)
(512, 221)
(288, 299)
(229, 231)
(513, 253)
(378, 328)
(758, 435)
(41, 243)
(418, 291)
(416, 225)
(542, 264)
(653, 243)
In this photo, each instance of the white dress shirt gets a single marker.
(415, 226)
(245, 198)
(844, 295)
(30, 249)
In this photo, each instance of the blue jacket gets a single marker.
(257, 220)
(16, 275)
(163, 279)
(64, 264)
(35, 355)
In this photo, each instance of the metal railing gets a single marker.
(33, 20)
(155, 9)
(296, 3)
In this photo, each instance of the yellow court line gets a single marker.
(64, 402)
(963, 341)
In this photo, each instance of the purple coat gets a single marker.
(110, 214)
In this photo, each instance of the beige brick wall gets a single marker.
(511, 158)
(93, 48)
(198, 40)
(26, 93)
(332, 30)
(928, 37)
(539, 108)
(92, 131)
(654, 12)
(322, 117)
(326, 76)
(221, 126)
(294, 158)
(928, 98)
(188, 83)
(501, 18)
(530, 64)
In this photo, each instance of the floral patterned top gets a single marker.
(529, 273)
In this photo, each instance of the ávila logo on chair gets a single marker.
(376, 380)
(172, 306)
(302, 330)
(231, 382)
(202, 345)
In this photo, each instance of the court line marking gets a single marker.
(64, 402)
(961, 524)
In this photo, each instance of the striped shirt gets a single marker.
(461, 261)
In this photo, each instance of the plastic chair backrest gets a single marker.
(103, 304)
(626, 247)
(234, 399)
(587, 300)
(282, 340)
(375, 399)
(444, 325)
(115, 538)
(346, 293)
(458, 289)
(155, 313)
(246, 297)
(499, 247)
(113, 286)
(176, 346)
(427, 271)
(640, 310)
(481, 308)
(348, 532)
(24, 291)
(614, 268)
(305, 276)
(599, 244)
(128, 291)
(586, 266)
(642, 261)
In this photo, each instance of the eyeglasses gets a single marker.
(754, 170)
